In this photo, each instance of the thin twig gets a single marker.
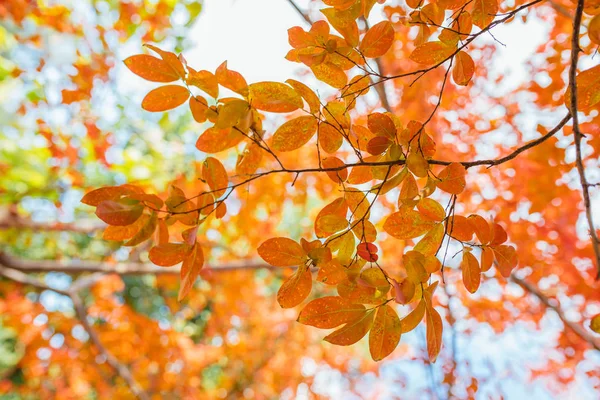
(575, 49)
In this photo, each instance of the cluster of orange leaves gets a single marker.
(387, 155)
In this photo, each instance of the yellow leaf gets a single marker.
(331, 74)
(215, 175)
(307, 94)
(294, 133)
(274, 97)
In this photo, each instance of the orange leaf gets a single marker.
(432, 53)
(484, 12)
(382, 125)
(199, 108)
(431, 242)
(307, 94)
(377, 40)
(330, 312)
(295, 289)
(249, 160)
(171, 59)
(203, 80)
(145, 232)
(434, 331)
(232, 80)
(463, 69)
(471, 273)
(459, 228)
(412, 320)
(506, 259)
(331, 273)
(337, 207)
(330, 138)
(431, 209)
(417, 164)
(282, 252)
(481, 228)
(120, 233)
(168, 254)
(338, 176)
(151, 68)
(165, 98)
(452, 178)
(190, 269)
(215, 140)
(274, 97)
(407, 224)
(95, 197)
(215, 175)
(353, 331)
(385, 333)
(120, 213)
(294, 133)
(487, 258)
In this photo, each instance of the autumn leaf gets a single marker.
(215, 175)
(331, 74)
(432, 53)
(215, 140)
(463, 69)
(296, 288)
(378, 40)
(274, 97)
(431, 209)
(119, 213)
(330, 312)
(294, 133)
(414, 318)
(484, 12)
(452, 178)
(190, 269)
(282, 252)
(471, 273)
(407, 224)
(506, 259)
(588, 89)
(230, 79)
(165, 98)
(145, 232)
(151, 68)
(168, 254)
(385, 333)
(353, 331)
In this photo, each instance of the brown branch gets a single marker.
(81, 312)
(131, 268)
(575, 49)
(576, 328)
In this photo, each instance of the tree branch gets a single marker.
(575, 49)
(81, 311)
(576, 328)
(126, 268)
